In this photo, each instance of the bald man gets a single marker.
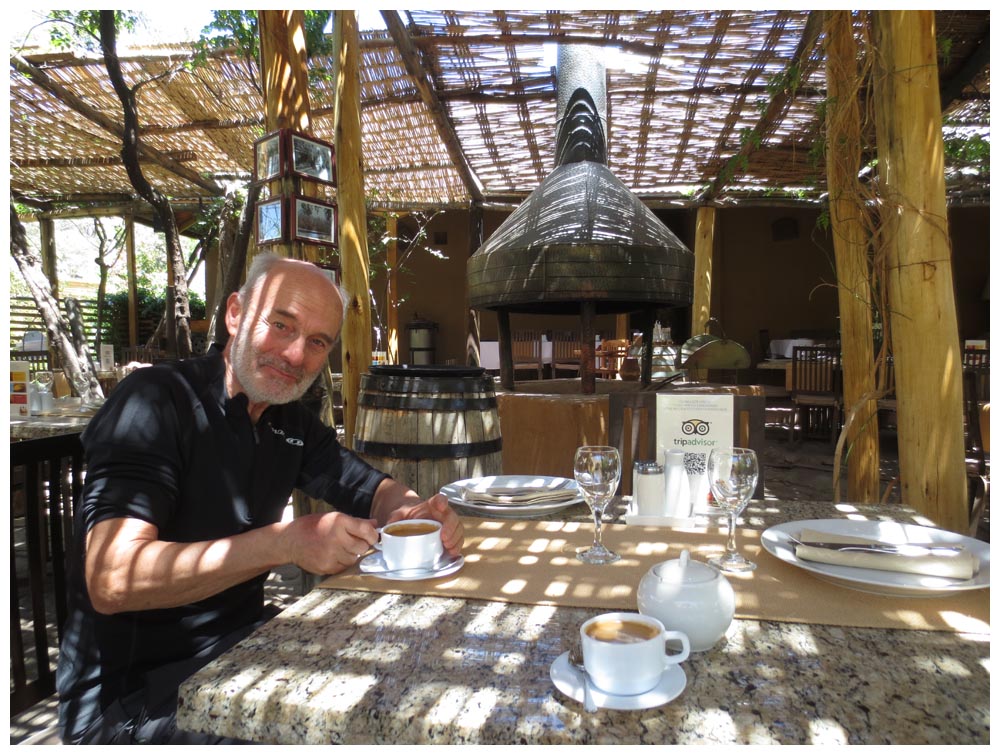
(189, 468)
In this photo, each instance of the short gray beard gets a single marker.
(245, 360)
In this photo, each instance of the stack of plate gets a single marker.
(512, 496)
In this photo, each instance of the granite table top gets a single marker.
(351, 667)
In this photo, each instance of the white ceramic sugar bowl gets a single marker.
(689, 596)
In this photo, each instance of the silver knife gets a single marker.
(903, 549)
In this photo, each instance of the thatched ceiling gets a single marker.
(459, 107)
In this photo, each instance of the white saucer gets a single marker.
(375, 565)
(569, 681)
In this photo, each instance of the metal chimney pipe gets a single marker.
(581, 106)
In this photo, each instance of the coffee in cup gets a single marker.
(410, 544)
(626, 654)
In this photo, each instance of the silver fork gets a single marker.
(903, 548)
(576, 660)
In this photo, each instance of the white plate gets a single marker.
(898, 584)
(569, 681)
(375, 565)
(453, 491)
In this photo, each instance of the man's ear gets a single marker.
(234, 311)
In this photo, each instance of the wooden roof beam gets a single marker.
(776, 108)
(415, 68)
(68, 98)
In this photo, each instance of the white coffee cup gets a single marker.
(410, 544)
(626, 653)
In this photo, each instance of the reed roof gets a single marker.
(459, 107)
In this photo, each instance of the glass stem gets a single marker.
(598, 516)
(731, 542)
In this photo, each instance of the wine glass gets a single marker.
(597, 470)
(732, 474)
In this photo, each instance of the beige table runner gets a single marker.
(533, 562)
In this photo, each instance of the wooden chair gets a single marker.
(816, 394)
(50, 473)
(887, 404)
(977, 361)
(565, 352)
(526, 351)
(977, 460)
(610, 357)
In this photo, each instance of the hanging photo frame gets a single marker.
(313, 222)
(270, 225)
(269, 157)
(312, 158)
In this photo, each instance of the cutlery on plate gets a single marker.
(902, 549)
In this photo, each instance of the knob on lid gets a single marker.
(685, 570)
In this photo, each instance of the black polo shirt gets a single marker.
(170, 448)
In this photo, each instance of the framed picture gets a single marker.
(268, 157)
(314, 222)
(271, 221)
(311, 158)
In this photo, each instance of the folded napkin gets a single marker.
(517, 496)
(958, 564)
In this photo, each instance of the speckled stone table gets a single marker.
(353, 667)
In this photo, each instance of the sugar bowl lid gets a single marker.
(686, 571)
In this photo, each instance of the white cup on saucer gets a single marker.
(626, 653)
(410, 544)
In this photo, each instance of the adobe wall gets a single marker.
(773, 270)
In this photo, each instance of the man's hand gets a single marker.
(436, 507)
(328, 543)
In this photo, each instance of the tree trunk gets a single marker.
(235, 232)
(921, 289)
(77, 365)
(850, 245)
(177, 303)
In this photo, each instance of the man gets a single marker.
(189, 469)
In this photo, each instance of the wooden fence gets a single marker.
(24, 316)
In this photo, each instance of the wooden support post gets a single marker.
(357, 332)
(704, 247)
(924, 323)
(472, 334)
(47, 238)
(133, 294)
(505, 347)
(588, 376)
(850, 244)
(392, 290)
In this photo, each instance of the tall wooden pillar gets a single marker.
(704, 248)
(47, 238)
(356, 339)
(924, 323)
(392, 290)
(473, 350)
(850, 244)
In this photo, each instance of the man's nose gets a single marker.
(295, 350)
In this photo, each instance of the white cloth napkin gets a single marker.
(517, 496)
(960, 564)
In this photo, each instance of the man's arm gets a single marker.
(128, 568)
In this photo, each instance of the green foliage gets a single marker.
(238, 28)
(968, 151)
(83, 28)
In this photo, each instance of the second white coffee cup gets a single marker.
(626, 654)
(410, 544)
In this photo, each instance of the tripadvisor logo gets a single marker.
(695, 427)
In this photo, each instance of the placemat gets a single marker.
(533, 562)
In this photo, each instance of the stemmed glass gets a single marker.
(44, 379)
(597, 470)
(732, 474)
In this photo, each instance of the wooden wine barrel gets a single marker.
(428, 426)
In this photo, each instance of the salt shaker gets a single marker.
(649, 490)
(677, 491)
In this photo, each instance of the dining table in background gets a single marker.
(63, 420)
(361, 660)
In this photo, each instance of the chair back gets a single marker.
(610, 357)
(526, 350)
(977, 361)
(815, 370)
(566, 348)
(46, 479)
